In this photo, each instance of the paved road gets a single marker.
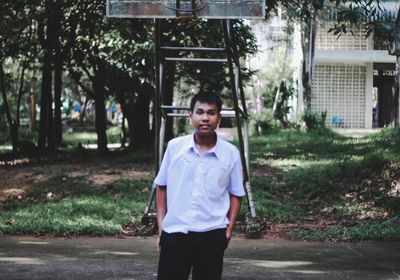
(136, 258)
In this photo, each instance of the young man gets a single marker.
(199, 190)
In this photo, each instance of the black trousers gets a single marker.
(201, 252)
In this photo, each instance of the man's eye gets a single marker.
(199, 112)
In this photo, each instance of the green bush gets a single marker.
(265, 120)
(314, 120)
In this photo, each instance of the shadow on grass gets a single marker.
(63, 205)
(327, 177)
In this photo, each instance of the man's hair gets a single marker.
(206, 97)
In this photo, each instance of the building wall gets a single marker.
(343, 76)
(341, 91)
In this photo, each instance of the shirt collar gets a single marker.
(216, 150)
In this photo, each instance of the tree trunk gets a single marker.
(397, 93)
(15, 129)
(130, 116)
(11, 124)
(122, 101)
(45, 98)
(123, 132)
(33, 104)
(58, 65)
(141, 135)
(83, 111)
(308, 46)
(46, 37)
(100, 111)
(57, 100)
(397, 79)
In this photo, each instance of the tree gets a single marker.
(17, 18)
(131, 69)
(87, 54)
(76, 38)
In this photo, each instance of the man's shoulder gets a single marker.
(228, 146)
(179, 141)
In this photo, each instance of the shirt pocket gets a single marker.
(218, 177)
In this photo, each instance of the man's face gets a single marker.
(205, 118)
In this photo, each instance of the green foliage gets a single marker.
(314, 120)
(100, 55)
(277, 91)
(286, 91)
(265, 120)
(352, 14)
(193, 77)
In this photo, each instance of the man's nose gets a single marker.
(205, 117)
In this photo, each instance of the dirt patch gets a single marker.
(266, 171)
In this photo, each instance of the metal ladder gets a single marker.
(239, 110)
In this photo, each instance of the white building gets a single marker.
(353, 78)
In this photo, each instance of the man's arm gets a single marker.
(161, 205)
(235, 202)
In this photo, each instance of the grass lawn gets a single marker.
(316, 186)
(331, 187)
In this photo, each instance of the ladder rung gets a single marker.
(191, 49)
(224, 110)
(185, 59)
(175, 107)
(187, 115)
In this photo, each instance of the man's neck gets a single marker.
(205, 142)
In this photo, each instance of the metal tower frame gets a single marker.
(163, 55)
(224, 10)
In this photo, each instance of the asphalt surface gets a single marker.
(136, 258)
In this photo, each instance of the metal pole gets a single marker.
(156, 109)
(229, 53)
(247, 155)
(235, 84)
(162, 137)
(157, 94)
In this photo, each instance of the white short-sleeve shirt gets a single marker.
(199, 185)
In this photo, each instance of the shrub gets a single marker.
(265, 120)
(314, 120)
